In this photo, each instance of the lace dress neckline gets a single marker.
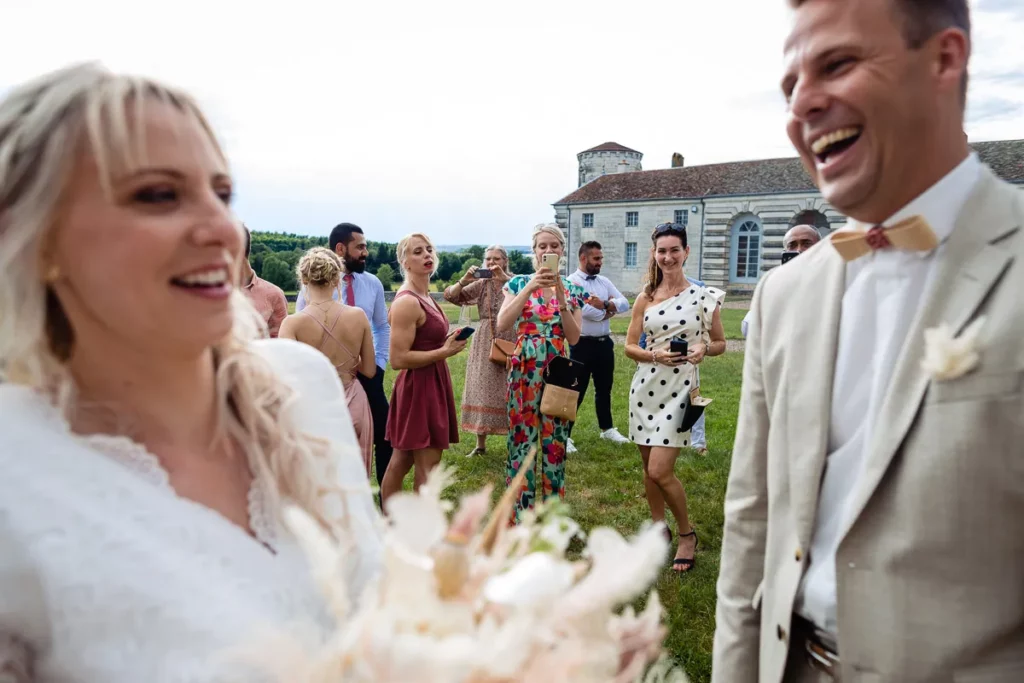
(142, 462)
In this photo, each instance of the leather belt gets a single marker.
(819, 646)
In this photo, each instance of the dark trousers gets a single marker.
(374, 389)
(598, 357)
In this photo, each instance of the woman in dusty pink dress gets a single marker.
(340, 332)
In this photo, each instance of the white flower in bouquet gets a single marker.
(457, 602)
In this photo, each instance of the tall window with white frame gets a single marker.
(746, 250)
(632, 219)
(630, 254)
(682, 217)
(588, 220)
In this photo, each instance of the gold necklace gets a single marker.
(318, 304)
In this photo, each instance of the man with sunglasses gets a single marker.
(798, 239)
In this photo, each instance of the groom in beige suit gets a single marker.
(875, 511)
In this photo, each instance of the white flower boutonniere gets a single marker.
(947, 357)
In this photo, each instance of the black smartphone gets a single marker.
(482, 274)
(679, 346)
(465, 333)
(788, 256)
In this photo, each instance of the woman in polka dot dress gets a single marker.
(670, 307)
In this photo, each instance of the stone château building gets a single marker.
(736, 213)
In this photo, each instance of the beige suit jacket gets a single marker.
(930, 574)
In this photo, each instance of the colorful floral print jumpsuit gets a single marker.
(539, 337)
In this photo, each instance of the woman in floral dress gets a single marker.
(534, 306)
(486, 387)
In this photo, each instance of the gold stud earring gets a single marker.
(52, 274)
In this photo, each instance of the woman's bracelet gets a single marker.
(654, 355)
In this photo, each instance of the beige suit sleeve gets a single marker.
(735, 658)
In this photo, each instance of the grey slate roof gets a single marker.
(765, 176)
(610, 147)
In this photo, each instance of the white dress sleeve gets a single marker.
(711, 299)
(24, 618)
(322, 411)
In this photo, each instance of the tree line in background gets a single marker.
(275, 255)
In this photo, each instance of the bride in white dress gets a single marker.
(147, 442)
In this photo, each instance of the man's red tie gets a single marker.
(350, 295)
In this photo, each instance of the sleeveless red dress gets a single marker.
(422, 412)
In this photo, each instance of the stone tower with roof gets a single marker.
(606, 159)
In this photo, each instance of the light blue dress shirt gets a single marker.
(594, 322)
(369, 296)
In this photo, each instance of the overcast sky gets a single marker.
(458, 117)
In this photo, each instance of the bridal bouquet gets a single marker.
(460, 601)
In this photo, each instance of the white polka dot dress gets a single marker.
(659, 393)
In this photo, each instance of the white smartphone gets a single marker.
(550, 261)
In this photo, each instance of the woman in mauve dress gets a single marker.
(421, 421)
(340, 332)
(485, 394)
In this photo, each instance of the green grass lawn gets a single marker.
(604, 485)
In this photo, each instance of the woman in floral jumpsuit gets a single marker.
(534, 306)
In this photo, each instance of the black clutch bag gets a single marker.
(563, 372)
(694, 409)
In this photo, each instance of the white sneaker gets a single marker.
(570, 447)
(613, 436)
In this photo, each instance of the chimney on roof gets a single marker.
(677, 160)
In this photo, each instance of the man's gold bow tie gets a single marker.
(912, 234)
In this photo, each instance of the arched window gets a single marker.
(814, 218)
(745, 256)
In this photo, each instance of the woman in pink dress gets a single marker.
(340, 332)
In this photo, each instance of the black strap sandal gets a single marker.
(682, 565)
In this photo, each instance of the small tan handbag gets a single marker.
(559, 402)
(561, 379)
(501, 349)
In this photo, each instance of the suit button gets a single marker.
(780, 632)
(798, 555)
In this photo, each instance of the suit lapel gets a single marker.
(968, 270)
(822, 285)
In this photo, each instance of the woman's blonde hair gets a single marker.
(547, 229)
(320, 266)
(42, 124)
(402, 250)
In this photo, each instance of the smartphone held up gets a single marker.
(550, 261)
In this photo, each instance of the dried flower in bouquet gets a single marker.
(458, 601)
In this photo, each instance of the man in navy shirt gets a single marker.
(362, 289)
